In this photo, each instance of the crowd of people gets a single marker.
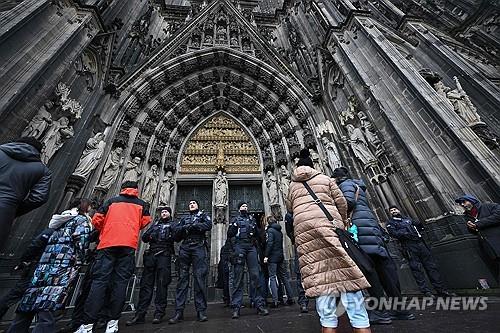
(319, 209)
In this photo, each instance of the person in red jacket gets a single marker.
(119, 221)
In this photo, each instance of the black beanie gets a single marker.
(160, 208)
(305, 158)
(241, 203)
(32, 141)
(393, 206)
(341, 172)
(197, 202)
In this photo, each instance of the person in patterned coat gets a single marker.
(57, 269)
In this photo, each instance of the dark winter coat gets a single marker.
(370, 234)
(244, 228)
(57, 270)
(193, 228)
(289, 227)
(487, 222)
(24, 183)
(160, 236)
(274, 244)
(405, 229)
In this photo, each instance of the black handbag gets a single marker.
(362, 260)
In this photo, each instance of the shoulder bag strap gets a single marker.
(318, 201)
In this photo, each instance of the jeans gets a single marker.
(302, 299)
(278, 271)
(353, 303)
(46, 322)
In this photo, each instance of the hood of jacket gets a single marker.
(358, 182)
(130, 192)
(21, 151)
(276, 226)
(58, 220)
(303, 173)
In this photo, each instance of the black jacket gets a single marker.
(24, 179)
(370, 233)
(405, 229)
(274, 244)
(243, 228)
(289, 227)
(160, 236)
(488, 224)
(192, 228)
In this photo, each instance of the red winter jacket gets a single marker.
(120, 220)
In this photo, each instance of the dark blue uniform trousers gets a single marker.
(194, 254)
(157, 268)
(420, 259)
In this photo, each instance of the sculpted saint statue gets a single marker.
(359, 145)
(133, 170)
(316, 160)
(150, 184)
(55, 137)
(166, 188)
(272, 189)
(460, 101)
(40, 121)
(91, 156)
(332, 154)
(369, 132)
(284, 181)
(111, 168)
(220, 190)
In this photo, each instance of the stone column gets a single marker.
(74, 185)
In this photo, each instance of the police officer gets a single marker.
(408, 232)
(157, 266)
(243, 234)
(191, 230)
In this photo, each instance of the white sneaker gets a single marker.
(112, 326)
(85, 328)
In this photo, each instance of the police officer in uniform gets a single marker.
(192, 230)
(157, 267)
(243, 233)
(408, 232)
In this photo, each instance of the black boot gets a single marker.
(139, 318)
(177, 318)
(236, 313)
(379, 317)
(290, 302)
(157, 318)
(262, 311)
(401, 315)
(274, 305)
(303, 308)
(101, 323)
(202, 316)
(446, 293)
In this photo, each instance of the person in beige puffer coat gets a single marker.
(326, 268)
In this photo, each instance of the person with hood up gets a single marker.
(24, 181)
(326, 268)
(483, 219)
(157, 262)
(119, 221)
(57, 269)
(371, 239)
(275, 261)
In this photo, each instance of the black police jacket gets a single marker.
(160, 235)
(289, 227)
(243, 228)
(274, 244)
(193, 227)
(404, 229)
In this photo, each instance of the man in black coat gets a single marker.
(28, 261)
(24, 181)
(157, 262)
(408, 232)
(483, 219)
(275, 261)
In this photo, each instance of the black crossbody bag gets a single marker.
(362, 260)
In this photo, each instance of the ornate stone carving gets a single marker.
(40, 122)
(150, 184)
(333, 157)
(272, 189)
(91, 156)
(359, 145)
(370, 134)
(70, 107)
(220, 190)
(284, 181)
(140, 145)
(167, 187)
(55, 137)
(316, 160)
(111, 168)
(133, 170)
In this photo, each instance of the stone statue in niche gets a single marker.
(43, 119)
(460, 101)
(359, 145)
(369, 132)
(220, 190)
(208, 39)
(234, 40)
(150, 184)
(133, 170)
(316, 160)
(91, 156)
(272, 189)
(55, 137)
(349, 114)
(167, 187)
(111, 168)
(284, 181)
(332, 154)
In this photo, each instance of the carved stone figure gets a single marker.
(463, 105)
(349, 114)
(284, 181)
(133, 170)
(54, 139)
(40, 121)
(91, 156)
(369, 132)
(332, 154)
(359, 145)
(111, 168)
(272, 189)
(220, 190)
(316, 160)
(150, 184)
(167, 186)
